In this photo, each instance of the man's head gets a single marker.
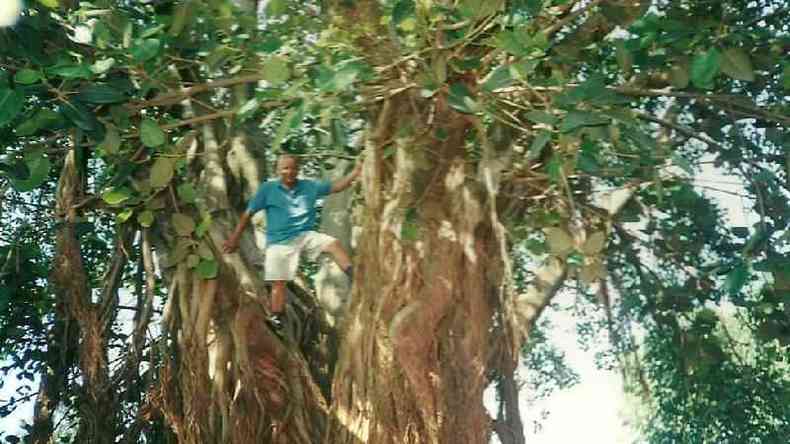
(287, 169)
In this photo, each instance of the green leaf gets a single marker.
(270, 44)
(43, 119)
(578, 119)
(124, 215)
(275, 70)
(514, 42)
(554, 169)
(285, 127)
(79, 115)
(737, 278)
(71, 71)
(203, 226)
(11, 103)
(402, 10)
(460, 99)
(559, 241)
(38, 165)
(150, 133)
(276, 7)
(540, 141)
(740, 231)
(102, 66)
(181, 17)
(112, 140)
(499, 78)
(207, 269)
(679, 75)
(735, 62)
(682, 163)
(595, 243)
(344, 77)
(248, 109)
(5, 293)
(541, 117)
(180, 251)
(187, 193)
(705, 67)
(28, 76)
(146, 49)
(120, 116)
(162, 172)
(51, 4)
(592, 271)
(157, 203)
(145, 218)
(100, 94)
(587, 161)
(183, 224)
(115, 196)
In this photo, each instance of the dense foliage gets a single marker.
(562, 107)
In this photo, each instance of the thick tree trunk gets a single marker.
(415, 348)
(97, 407)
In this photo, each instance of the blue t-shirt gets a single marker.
(289, 213)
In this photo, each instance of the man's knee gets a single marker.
(278, 285)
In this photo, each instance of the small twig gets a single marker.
(681, 129)
(716, 99)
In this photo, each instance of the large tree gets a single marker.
(511, 149)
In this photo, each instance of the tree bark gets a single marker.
(97, 407)
(417, 339)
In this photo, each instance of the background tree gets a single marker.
(512, 148)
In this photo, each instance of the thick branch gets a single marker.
(539, 293)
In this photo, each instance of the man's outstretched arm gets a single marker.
(232, 243)
(341, 184)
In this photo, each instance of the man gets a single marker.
(290, 223)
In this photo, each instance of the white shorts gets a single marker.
(282, 259)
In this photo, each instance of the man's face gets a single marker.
(288, 170)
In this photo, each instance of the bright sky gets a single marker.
(586, 412)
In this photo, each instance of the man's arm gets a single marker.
(341, 184)
(232, 243)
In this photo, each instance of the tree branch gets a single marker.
(717, 99)
(174, 97)
(682, 130)
(571, 17)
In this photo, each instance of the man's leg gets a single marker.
(282, 261)
(341, 258)
(278, 297)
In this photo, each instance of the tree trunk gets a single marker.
(62, 343)
(415, 348)
(230, 378)
(97, 408)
